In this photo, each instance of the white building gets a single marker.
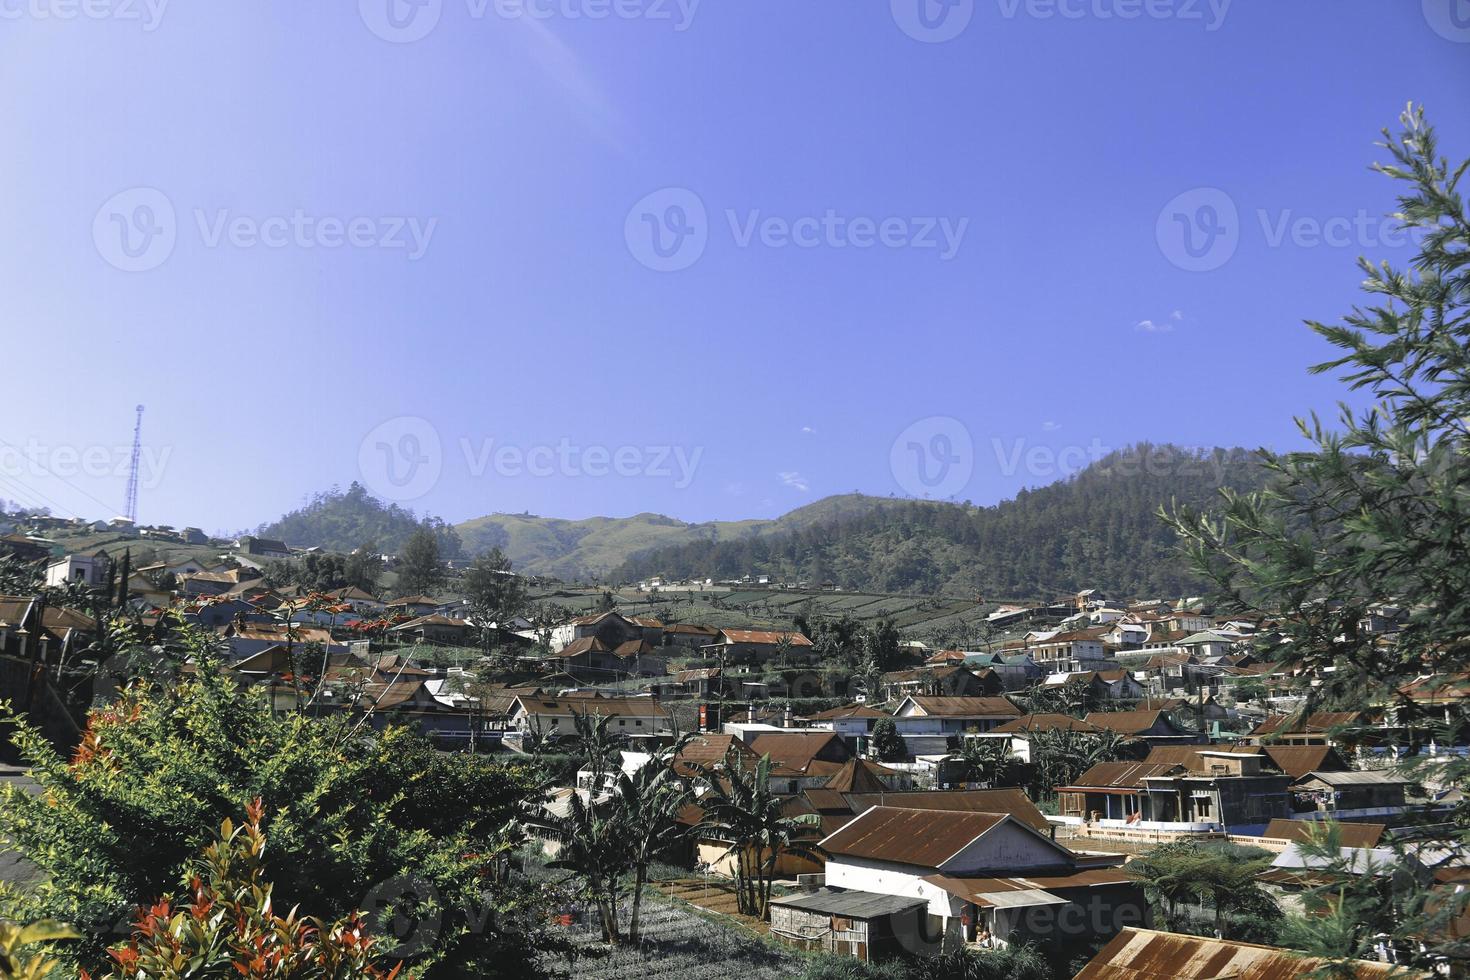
(90, 570)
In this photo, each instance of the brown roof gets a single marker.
(707, 751)
(1032, 723)
(977, 889)
(1316, 723)
(771, 637)
(632, 648)
(1143, 954)
(586, 644)
(1352, 834)
(796, 750)
(958, 707)
(846, 711)
(1129, 722)
(1188, 756)
(1298, 760)
(627, 707)
(859, 776)
(1011, 801)
(1124, 775)
(923, 838)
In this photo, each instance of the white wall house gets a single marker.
(90, 570)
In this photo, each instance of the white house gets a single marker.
(928, 723)
(90, 570)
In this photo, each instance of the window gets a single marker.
(639, 723)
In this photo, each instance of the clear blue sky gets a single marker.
(522, 142)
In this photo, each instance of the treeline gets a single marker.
(1098, 527)
(341, 520)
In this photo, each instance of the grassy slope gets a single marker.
(597, 545)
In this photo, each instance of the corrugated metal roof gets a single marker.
(1370, 777)
(963, 707)
(1143, 954)
(851, 904)
(1350, 834)
(1128, 775)
(1010, 801)
(923, 838)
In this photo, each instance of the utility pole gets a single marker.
(130, 506)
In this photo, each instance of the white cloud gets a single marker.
(1177, 316)
(1149, 326)
(795, 481)
(1050, 426)
(807, 430)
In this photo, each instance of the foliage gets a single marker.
(1097, 526)
(742, 810)
(1378, 510)
(888, 745)
(13, 936)
(991, 761)
(354, 811)
(419, 568)
(495, 593)
(1059, 755)
(340, 520)
(230, 928)
(1011, 963)
(1221, 876)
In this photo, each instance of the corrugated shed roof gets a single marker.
(850, 904)
(1124, 775)
(859, 776)
(923, 838)
(1011, 801)
(1044, 722)
(1298, 760)
(1316, 723)
(771, 637)
(1350, 834)
(1130, 722)
(796, 749)
(1143, 954)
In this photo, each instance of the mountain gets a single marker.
(598, 546)
(1097, 528)
(342, 520)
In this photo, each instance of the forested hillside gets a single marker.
(341, 520)
(1097, 528)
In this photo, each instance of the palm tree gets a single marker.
(742, 810)
(648, 803)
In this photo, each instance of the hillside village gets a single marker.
(989, 793)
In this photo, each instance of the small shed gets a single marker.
(864, 925)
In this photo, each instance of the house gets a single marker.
(758, 646)
(1319, 728)
(690, 636)
(25, 548)
(1349, 834)
(1373, 792)
(853, 722)
(1069, 650)
(1208, 644)
(704, 682)
(982, 877)
(1098, 685)
(1135, 954)
(639, 658)
(953, 680)
(89, 570)
(612, 628)
(1181, 789)
(837, 807)
(412, 606)
(928, 723)
(1294, 872)
(263, 547)
(193, 535)
(1018, 731)
(554, 716)
(362, 603)
(1154, 727)
(436, 629)
(797, 751)
(33, 629)
(245, 639)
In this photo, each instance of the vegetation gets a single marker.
(230, 928)
(742, 810)
(1098, 526)
(887, 744)
(1012, 963)
(341, 520)
(1375, 512)
(1221, 876)
(354, 813)
(419, 570)
(14, 938)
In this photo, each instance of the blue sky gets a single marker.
(939, 255)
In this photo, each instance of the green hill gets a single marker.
(598, 546)
(1098, 528)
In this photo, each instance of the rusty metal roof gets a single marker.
(963, 707)
(1127, 775)
(923, 838)
(1010, 800)
(1143, 954)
